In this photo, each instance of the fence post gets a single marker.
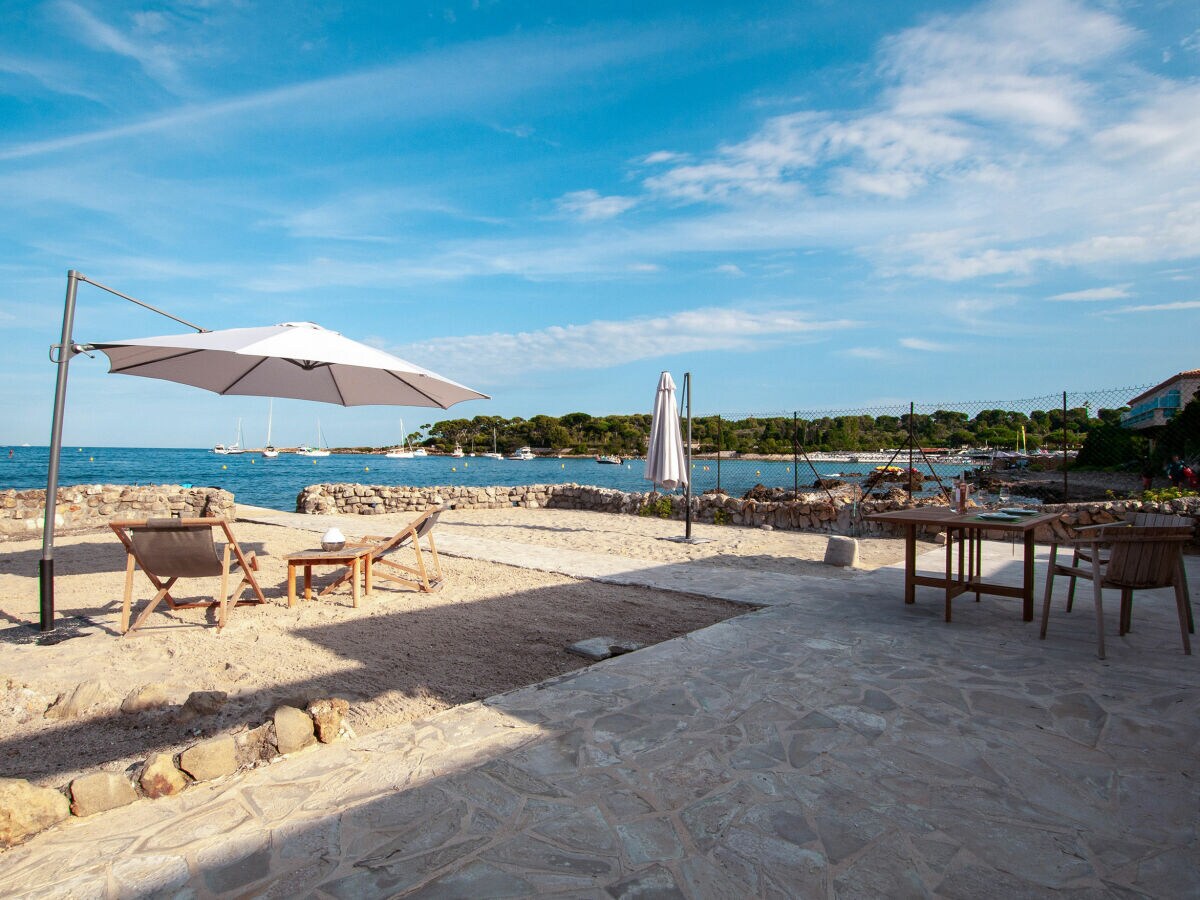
(911, 442)
(1066, 491)
(720, 442)
(795, 456)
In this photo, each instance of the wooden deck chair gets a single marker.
(1083, 552)
(169, 549)
(1140, 557)
(384, 548)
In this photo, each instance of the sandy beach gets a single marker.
(401, 655)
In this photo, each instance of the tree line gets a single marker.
(627, 435)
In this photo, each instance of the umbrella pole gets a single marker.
(687, 485)
(66, 350)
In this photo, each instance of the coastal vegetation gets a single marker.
(627, 435)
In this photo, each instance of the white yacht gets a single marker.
(319, 450)
(521, 453)
(235, 447)
(403, 450)
(493, 454)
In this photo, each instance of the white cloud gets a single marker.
(1115, 292)
(923, 345)
(606, 344)
(1159, 307)
(159, 61)
(730, 269)
(663, 156)
(590, 206)
(865, 352)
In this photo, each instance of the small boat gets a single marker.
(404, 450)
(269, 451)
(234, 448)
(319, 450)
(420, 451)
(521, 453)
(609, 460)
(458, 451)
(493, 454)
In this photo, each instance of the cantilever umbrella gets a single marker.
(298, 360)
(666, 463)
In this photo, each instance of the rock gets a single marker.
(26, 809)
(82, 697)
(144, 698)
(603, 647)
(205, 703)
(293, 729)
(100, 791)
(841, 551)
(210, 759)
(160, 778)
(254, 745)
(327, 716)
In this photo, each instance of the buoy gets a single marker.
(253, 461)
(91, 459)
(224, 467)
(562, 465)
(366, 468)
(453, 468)
(758, 473)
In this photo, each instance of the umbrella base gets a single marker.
(690, 540)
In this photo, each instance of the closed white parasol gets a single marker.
(666, 463)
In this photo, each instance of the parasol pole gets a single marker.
(67, 349)
(687, 484)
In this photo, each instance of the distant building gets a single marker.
(1157, 406)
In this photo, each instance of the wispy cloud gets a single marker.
(1115, 292)
(923, 345)
(609, 343)
(462, 77)
(590, 206)
(730, 269)
(1159, 307)
(159, 61)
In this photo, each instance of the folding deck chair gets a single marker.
(383, 547)
(169, 549)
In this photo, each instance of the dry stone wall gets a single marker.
(22, 513)
(814, 511)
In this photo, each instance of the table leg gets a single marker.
(308, 582)
(1027, 575)
(368, 576)
(910, 562)
(949, 569)
(291, 585)
(355, 573)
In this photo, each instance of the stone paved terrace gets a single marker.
(833, 744)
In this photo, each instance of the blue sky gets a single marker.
(807, 204)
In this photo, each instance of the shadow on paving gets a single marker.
(450, 654)
(867, 749)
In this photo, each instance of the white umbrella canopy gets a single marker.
(666, 463)
(298, 360)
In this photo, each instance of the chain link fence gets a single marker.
(1052, 447)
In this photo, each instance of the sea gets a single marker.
(275, 483)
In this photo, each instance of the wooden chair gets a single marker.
(383, 547)
(170, 549)
(1139, 557)
(1083, 551)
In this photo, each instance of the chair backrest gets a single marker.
(170, 548)
(418, 528)
(1163, 520)
(1144, 556)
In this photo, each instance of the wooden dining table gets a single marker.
(964, 545)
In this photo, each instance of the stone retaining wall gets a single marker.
(812, 512)
(22, 513)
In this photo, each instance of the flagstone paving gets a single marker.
(833, 744)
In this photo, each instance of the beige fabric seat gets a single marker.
(167, 550)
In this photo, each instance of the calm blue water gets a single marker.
(274, 483)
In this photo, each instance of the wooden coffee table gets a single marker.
(357, 559)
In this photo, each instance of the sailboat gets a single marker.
(235, 447)
(403, 451)
(493, 454)
(319, 450)
(269, 451)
